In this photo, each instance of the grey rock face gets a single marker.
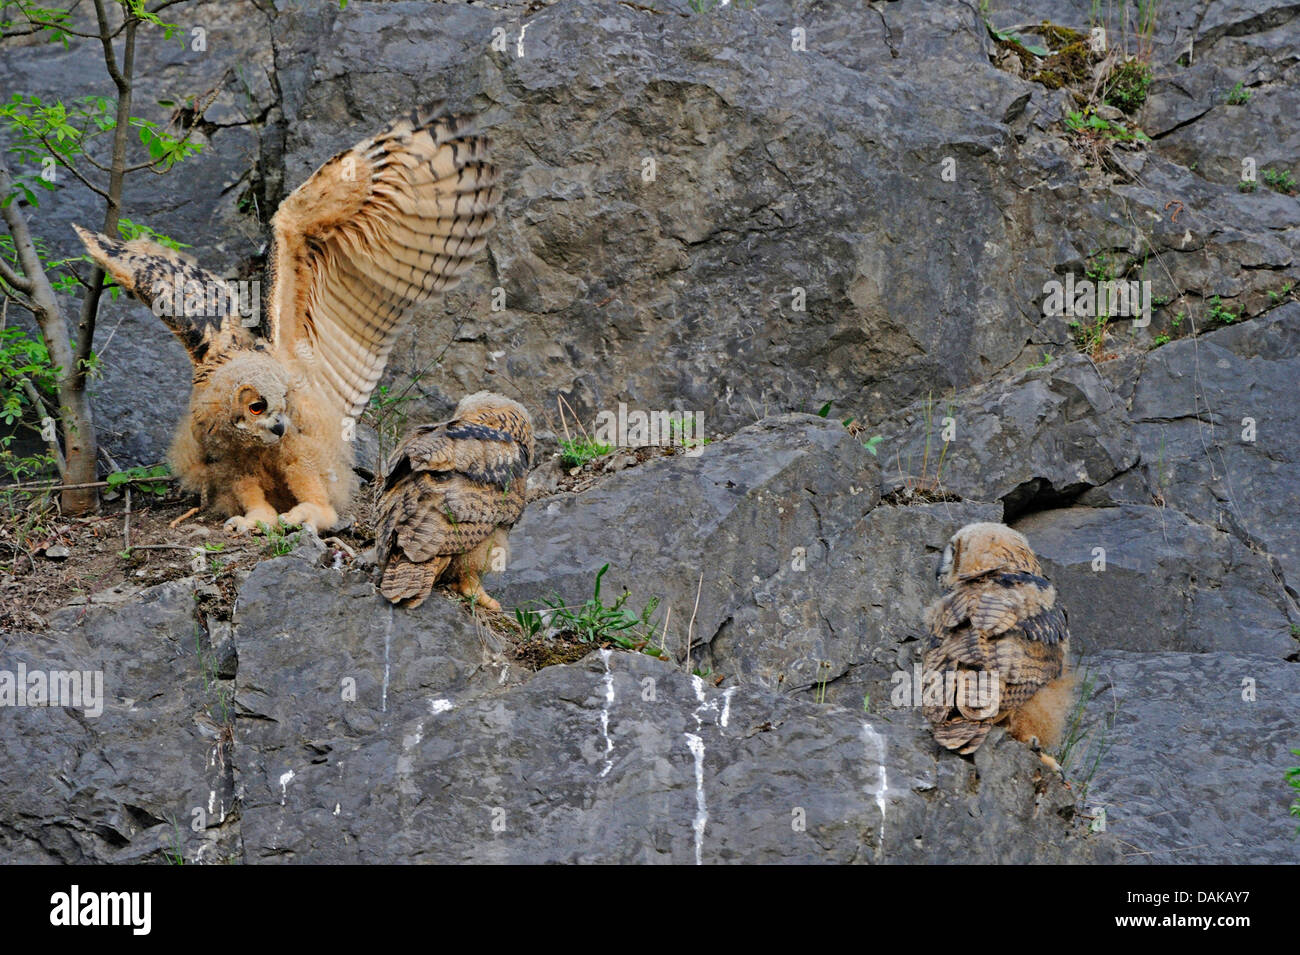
(736, 513)
(1212, 418)
(129, 784)
(1193, 771)
(1120, 568)
(623, 759)
(1047, 435)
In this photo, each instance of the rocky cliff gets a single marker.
(748, 211)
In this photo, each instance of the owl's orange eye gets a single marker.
(257, 407)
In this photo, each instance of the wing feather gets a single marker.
(157, 276)
(375, 231)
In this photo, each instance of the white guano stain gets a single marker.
(284, 786)
(875, 746)
(440, 706)
(604, 713)
(696, 745)
(695, 741)
(388, 639)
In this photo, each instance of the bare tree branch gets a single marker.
(72, 169)
(20, 282)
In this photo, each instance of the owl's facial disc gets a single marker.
(262, 417)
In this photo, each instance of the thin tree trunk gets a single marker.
(74, 403)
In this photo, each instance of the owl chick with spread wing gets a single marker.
(999, 640)
(375, 231)
(451, 493)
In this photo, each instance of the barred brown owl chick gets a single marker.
(376, 230)
(999, 640)
(451, 493)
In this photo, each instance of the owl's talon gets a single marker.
(315, 516)
(246, 524)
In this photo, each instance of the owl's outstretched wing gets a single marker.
(200, 308)
(376, 230)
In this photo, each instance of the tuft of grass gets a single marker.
(1247, 185)
(824, 668)
(1085, 746)
(594, 621)
(1293, 780)
(1238, 95)
(575, 452)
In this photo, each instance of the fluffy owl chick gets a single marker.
(375, 232)
(451, 493)
(998, 643)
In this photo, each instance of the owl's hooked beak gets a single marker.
(275, 428)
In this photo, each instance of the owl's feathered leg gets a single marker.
(1042, 718)
(314, 506)
(251, 498)
(468, 569)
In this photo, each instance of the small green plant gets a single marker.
(1093, 126)
(872, 444)
(530, 621)
(1177, 320)
(1247, 185)
(1293, 780)
(174, 856)
(1042, 362)
(1280, 180)
(1126, 87)
(1283, 292)
(1219, 314)
(823, 668)
(677, 428)
(594, 622)
(279, 540)
(140, 478)
(1238, 95)
(1160, 340)
(575, 452)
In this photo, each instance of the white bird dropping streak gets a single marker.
(701, 809)
(726, 706)
(284, 786)
(441, 706)
(388, 639)
(604, 713)
(875, 745)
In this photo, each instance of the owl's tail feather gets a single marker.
(962, 735)
(407, 584)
